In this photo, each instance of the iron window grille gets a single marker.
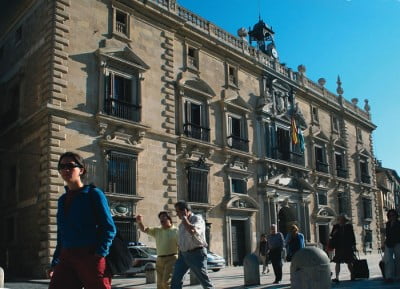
(198, 183)
(121, 173)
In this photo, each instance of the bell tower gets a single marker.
(263, 35)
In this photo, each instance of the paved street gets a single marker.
(232, 278)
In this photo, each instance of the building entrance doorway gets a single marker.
(238, 231)
(323, 234)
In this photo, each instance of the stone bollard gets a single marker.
(150, 272)
(310, 269)
(1, 277)
(251, 267)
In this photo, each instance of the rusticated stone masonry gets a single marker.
(169, 117)
(54, 82)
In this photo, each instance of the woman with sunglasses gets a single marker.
(85, 230)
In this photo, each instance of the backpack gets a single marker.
(119, 258)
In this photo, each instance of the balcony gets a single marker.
(366, 179)
(122, 109)
(297, 158)
(321, 167)
(341, 173)
(195, 131)
(238, 143)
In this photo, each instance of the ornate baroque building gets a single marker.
(164, 105)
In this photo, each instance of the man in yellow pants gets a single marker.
(166, 244)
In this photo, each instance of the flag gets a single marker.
(295, 135)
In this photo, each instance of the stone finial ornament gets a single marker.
(301, 68)
(354, 101)
(322, 81)
(242, 32)
(339, 88)
(367, 107)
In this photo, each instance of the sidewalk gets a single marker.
(233, 278)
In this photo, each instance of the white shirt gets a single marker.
(188, 241)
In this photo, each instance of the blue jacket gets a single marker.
(88, 223)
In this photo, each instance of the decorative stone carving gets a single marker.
(121, 209)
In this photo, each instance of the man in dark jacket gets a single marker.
(275, 245)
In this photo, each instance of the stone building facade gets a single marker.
(388, 195)
(164, 105)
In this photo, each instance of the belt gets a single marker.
(194, 249)
(169, 255)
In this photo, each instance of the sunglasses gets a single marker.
(69, 166)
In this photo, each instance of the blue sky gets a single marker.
(356, 39)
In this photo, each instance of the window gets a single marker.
(192, 58)
(320, 159)
(236, 133)
(232, 75)
(121, 23)
(18, 35)
(123, 96)
(341, 172)
(121, 173)
(238, 186)
(283, 144)
(198, 183)
(127, 228)
(359, 135)
(322, 198)
(367, 207)
(314, 114)
(364, 172)
(195, 120)
(342, 203)
(9, 111)
(335, 124)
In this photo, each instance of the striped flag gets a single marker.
(295, 136)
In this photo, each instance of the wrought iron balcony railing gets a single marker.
(238, 143)
(196, 131)
(122, 109)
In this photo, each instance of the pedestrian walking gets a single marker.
(275, 245)
(263, 252)
(166, 244)
(392, 247)
(294, 241)
(342, 239)
(192, 247)
(85, 230)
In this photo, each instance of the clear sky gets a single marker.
(356, 39)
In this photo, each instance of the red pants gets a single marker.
(80, 268)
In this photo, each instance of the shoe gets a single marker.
(336, 280)
(276, 282)
(263, 272)
(267, 270)
(389, 280)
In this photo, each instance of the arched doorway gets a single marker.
(286, 218)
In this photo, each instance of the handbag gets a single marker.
(360, 268)
(119, 258)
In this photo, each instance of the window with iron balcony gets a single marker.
(123, 96)
(320, 160)
(341, 172)
(121, 173)
(364, 171)
(236, 138)
(195, 120)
